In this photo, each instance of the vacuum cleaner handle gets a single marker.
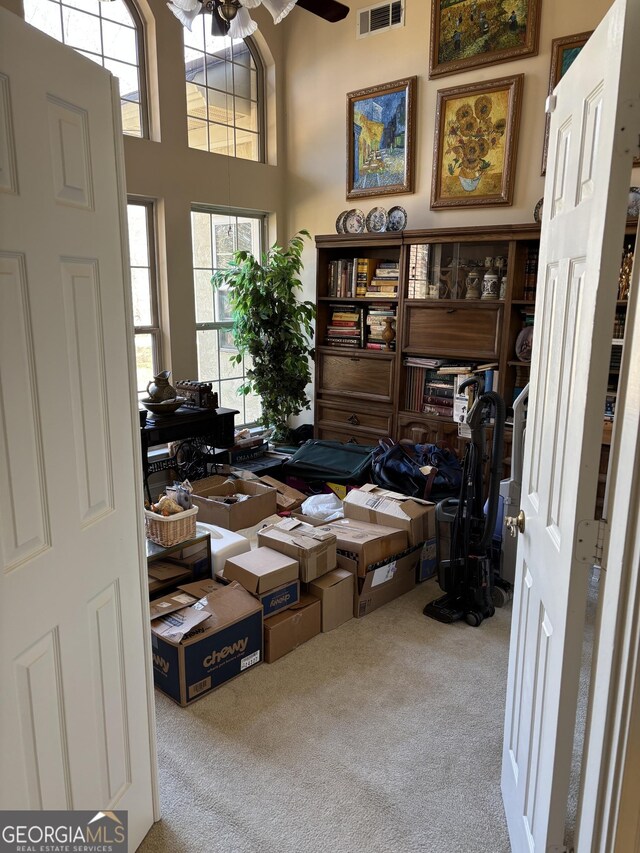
(494, 400)
(519, 422)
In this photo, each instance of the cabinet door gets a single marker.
(418, 430)
(363, 376)
(447, 330)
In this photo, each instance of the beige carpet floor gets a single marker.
(383, 736)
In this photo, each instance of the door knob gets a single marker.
(515, 524)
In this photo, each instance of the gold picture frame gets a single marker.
(469, 34)
(563, 51)
(475, 143)
(380, 139)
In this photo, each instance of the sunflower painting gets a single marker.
(475, 144)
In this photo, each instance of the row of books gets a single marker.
(362, 278)
(432, 386)
(352, 325)
(530, 274)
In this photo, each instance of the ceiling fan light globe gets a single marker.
(279, 9)
(186, 18)
(188, 5)
(242, 25)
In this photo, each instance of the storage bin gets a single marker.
(171, 529)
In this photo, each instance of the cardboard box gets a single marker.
(335, 591)
(170, 603)
(385, 583)
(285, 631)
(197, 562)
(261, 570)
(200, 588)
(313, 547)
(428, 563)
(226, 643)
(380, 506)
(280, 599)
(364, 544)
(288, 498)
(164, 575)
(233, 504)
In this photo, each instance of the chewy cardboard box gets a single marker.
(280, 599)
(170, 603)
(313, 547)
(363, 544)
(335, 591)
(233, 504)
(380, 506)
(223, 638)
(285, 631)
(385, 583)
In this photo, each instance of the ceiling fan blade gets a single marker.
(330, 10)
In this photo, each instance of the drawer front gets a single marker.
(359, 376)
(454, 331)
(330, 433)
(333, 415)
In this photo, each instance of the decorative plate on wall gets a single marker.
(354, 221)
(537, 211)
(340, 222)
(377, 220)
(397, 219)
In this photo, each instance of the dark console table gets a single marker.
(199, 432)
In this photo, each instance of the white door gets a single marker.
(76, 722)
(594, 128)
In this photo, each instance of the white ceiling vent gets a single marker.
(379, 18)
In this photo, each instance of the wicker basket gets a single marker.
(171, 529)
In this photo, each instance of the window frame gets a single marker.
(217, 325)
(141, 44)
(261, 112)
(154, 330)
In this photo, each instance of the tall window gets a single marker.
(144, 291)
(111, 35)
(224, 101)
(216, 236)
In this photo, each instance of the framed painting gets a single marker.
(475, 145)
(380, 145)
(470, 33)
(563, 51)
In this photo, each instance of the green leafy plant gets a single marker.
(272, 327)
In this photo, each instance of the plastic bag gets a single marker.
(325, 506)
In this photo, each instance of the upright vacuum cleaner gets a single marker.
(467, 576)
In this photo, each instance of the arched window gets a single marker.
(111, 35)
(224, 93)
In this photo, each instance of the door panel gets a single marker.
(454, 331)
(362, 376)
(582, 237)
(77, 709)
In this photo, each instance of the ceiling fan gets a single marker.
(230, 17)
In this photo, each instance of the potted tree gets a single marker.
(273, 328)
